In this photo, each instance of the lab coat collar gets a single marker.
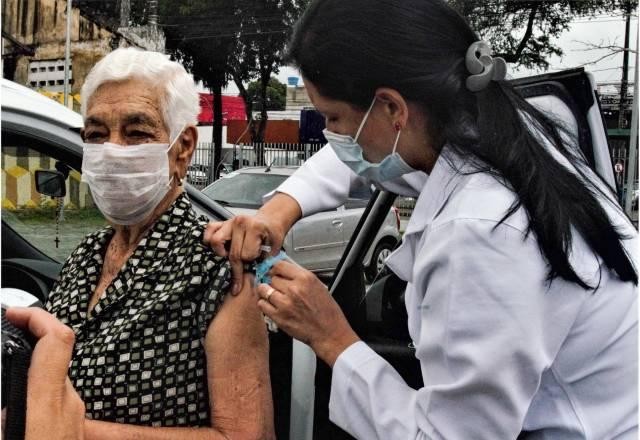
(448, 174)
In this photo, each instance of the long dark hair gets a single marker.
(349, 48)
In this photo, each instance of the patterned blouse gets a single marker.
(139, 356)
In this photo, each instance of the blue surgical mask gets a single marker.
(350, 153)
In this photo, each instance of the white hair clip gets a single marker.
(482, 67)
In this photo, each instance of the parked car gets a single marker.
(225, 168)
(301, 385)
(197, 175)
(316, 242)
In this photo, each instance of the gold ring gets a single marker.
(269, 293)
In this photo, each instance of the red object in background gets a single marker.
(232, 109)
(283, 131)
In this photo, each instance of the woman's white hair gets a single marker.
(180, 103)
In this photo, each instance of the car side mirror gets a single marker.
(51, 183)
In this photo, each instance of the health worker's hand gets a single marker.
(301, 305)
(54, 408)
(246, 234)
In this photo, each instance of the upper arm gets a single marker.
(237, 351)
(321, 183)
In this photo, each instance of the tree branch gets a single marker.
(514, 57)
(597, 60)
(611, 46)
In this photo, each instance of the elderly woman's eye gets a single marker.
(139, 134)
(92, 136)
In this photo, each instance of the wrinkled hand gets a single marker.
(54, 408)
(301, 305)
(246, 234)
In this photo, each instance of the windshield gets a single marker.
(243, 190)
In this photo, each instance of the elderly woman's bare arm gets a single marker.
(238, 368)
(237, 350)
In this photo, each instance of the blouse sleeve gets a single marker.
(489, 328)
(218, 270)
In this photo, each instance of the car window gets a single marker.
(33, 215)
(243, 189)
(359, 195)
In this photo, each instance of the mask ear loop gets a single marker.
(366, 115)
(395, 144)
(177, 137)
(181, 180)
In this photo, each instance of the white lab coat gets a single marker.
(500, 349)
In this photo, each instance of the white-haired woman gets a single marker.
(161, 351)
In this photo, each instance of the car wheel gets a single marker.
(377, 266)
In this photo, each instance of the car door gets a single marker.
(354, 207)
(320, 240)
(317, 241)
(377, 313)
(31, 256)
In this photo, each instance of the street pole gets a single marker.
(125, 12)
(153, 13)
(625, 70)
(67, 55)
(632, 163)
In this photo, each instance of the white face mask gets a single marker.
(350, 153)
(127, 182)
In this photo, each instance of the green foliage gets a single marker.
(202, 35)
(47, 215)
(245, 38)
(276, 94)
(521, 31)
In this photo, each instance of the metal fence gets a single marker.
(405, 206)
(620, 159)
(241, 156)
(287, 154)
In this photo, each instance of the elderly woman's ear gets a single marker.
(184, 148)
(188, 140)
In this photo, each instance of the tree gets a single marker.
(522, 31)
(220, 40)
(276, 94)
(204, 43)
(265, 29)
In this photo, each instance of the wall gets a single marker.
(277, 131)
(297, 98)
(18, 181)
(205, 133)
(42, 23)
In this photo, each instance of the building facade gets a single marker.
(34, 38)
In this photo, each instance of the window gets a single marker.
(243, 189)
(33, 215)
(48, 74)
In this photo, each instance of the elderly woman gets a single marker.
(161, 351)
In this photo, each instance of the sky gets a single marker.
(601, 30)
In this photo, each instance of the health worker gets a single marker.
(521, 265)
